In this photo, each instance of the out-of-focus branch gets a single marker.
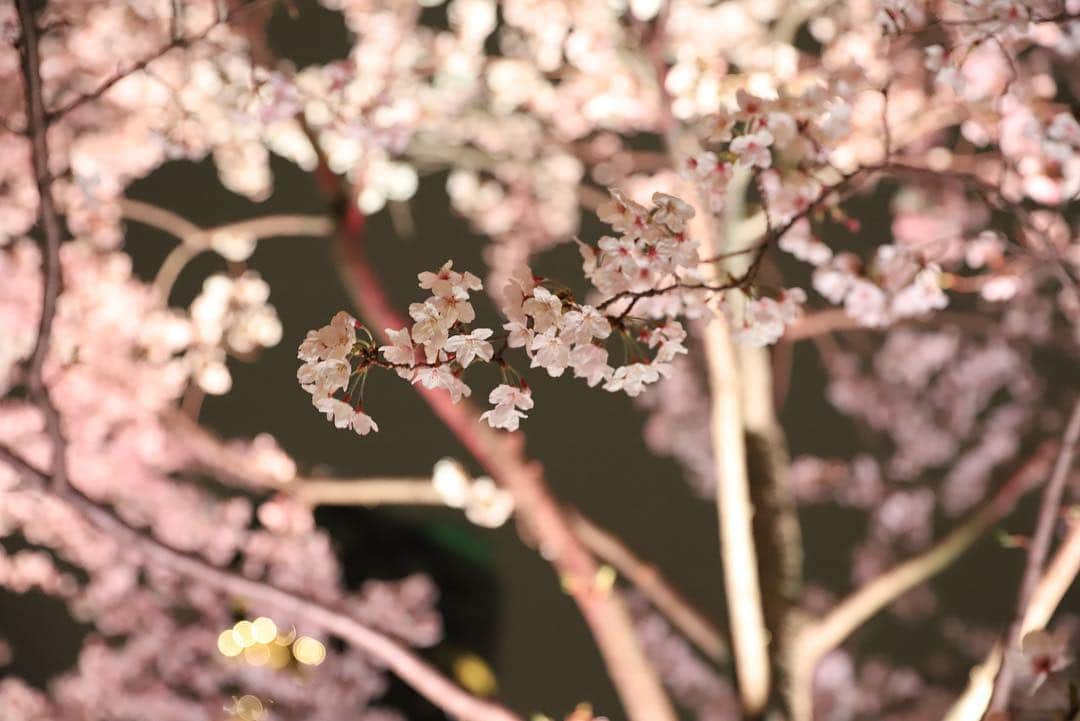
(269, 226)
(194, 239)
(651, 583)
(426, 680)
(502, 456)
(820, 637)
(749, 636)
(216, 457)
(49, 220)
(777, 534)
(1056, 580)
(1052, 587)
(367, 492)
(157, 217)
(1038, 549)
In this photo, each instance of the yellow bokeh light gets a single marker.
(248, 708)
(605, 578)
(264, 629)
(227, 644)
(257, 655)
(473, 673)
(244, 633)
(308, 651)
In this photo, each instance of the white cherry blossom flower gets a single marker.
(672, 212)
(591, 363)
(622, 214)
(322, 378)
(400, 350)
(632, 379)
(544, 307)
(550, 352)
(441, 376)
(431, 328)
(337, 411)
(509, 401)
(520, 335)
(332, 341)
(584, 324)
(448, 283)
(467, 348)
(753, 149)
(363, 424)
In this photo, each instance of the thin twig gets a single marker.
(1038, 549)
(49, 220)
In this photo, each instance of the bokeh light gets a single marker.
(308, 651)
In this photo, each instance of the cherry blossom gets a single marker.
(509, 401)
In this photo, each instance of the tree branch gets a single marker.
(268, 226)
(1051, 589)
(749, 635)
(409, 667)
(366, 492)
(820, 637)
(1038, 549)
(49, 220)
(664, 597)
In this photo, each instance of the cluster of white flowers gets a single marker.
(484, 503)
(762, 321)
(508, 402)
(653, 245)
(327, 370)
(898, 286)
(439, 346)
(229, 316)
(651, 268)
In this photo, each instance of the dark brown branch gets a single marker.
(49, 220)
